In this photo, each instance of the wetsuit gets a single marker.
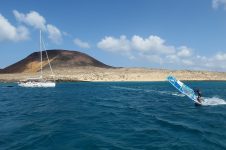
(199, 96)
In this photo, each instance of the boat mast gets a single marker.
(40, 47)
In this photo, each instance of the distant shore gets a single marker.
(117, 74)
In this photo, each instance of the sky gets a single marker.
(172, 34)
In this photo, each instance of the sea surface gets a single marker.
(112, 116)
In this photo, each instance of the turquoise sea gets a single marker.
(111, 116)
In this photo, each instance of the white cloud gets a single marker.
(184, 51)
(214, 62)
(151, 44)
(172, 58)
(80, 43)
(8, 32)
(155, 51)
(153, 58)
(204, 58)
(217, 3)
(187, 62)
(221, 57)
(54, 34)
(131, 57)
(34, 19)
(115, 45)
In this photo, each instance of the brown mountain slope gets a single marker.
(58, 58)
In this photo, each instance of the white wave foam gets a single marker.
(178, 94)
(147, 90)
(162, 92)
(214, 101)
(125, 88)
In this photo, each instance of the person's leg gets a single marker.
(199, 99)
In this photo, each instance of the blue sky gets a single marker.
(172, 34)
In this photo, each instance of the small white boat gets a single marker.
(39, 82)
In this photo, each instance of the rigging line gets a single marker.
(48, 58)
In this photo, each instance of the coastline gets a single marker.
(95, 74)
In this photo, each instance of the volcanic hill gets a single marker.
(58, 58)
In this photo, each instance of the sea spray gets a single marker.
(213, 101)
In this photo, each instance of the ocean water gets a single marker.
(111, 116)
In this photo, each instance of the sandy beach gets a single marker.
(117, 74)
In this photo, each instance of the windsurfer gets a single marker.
(199, 98)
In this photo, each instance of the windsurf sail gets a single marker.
(183, 88)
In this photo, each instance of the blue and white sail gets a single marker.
(183, 88)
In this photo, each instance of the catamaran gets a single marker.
(40, 81)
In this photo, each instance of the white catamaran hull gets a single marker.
(37, 84)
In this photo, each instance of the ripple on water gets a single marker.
(127, 115)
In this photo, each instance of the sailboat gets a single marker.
(40, 81)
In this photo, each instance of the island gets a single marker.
(69, 65)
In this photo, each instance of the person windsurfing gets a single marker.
(199, 94)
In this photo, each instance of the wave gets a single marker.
(178, 94)
(149, 90)
(207, 100)
(213, 101)
(126, 88)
